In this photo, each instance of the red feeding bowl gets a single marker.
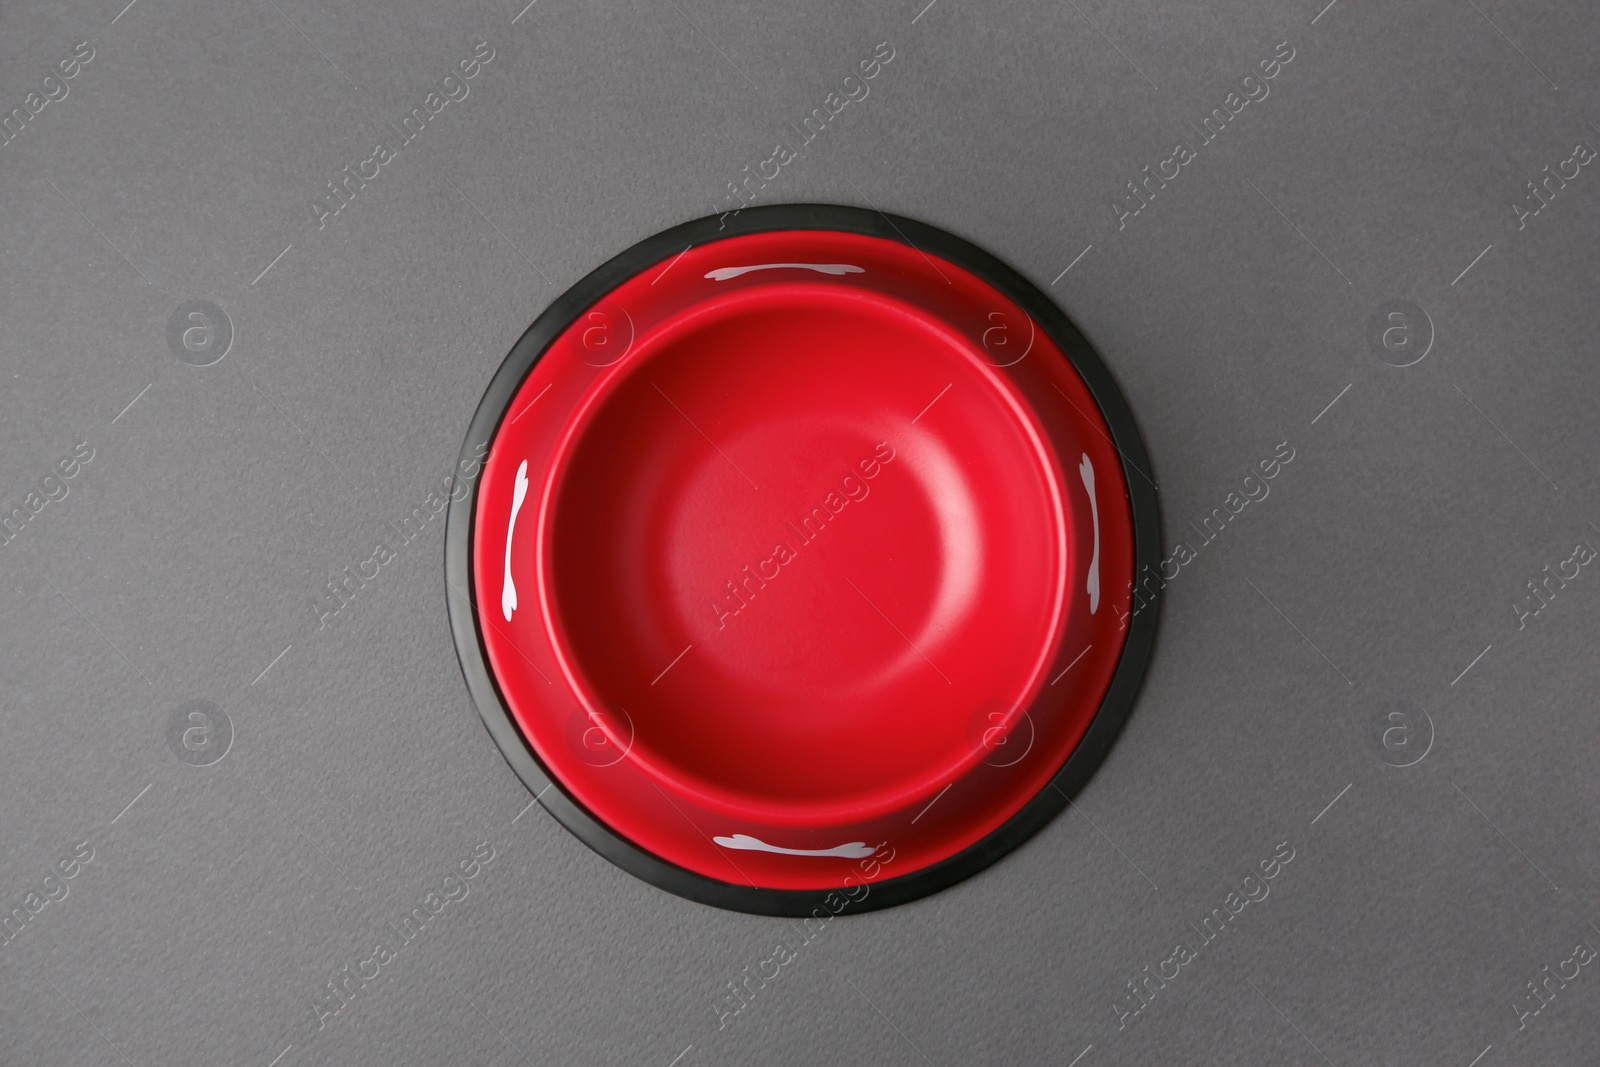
(800, 569)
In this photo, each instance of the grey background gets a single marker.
(1385, 563)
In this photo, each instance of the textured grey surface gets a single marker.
(1234, 308)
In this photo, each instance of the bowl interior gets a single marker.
(798, 538)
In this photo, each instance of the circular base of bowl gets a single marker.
(800, 572)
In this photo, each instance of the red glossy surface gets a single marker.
(799, 554)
